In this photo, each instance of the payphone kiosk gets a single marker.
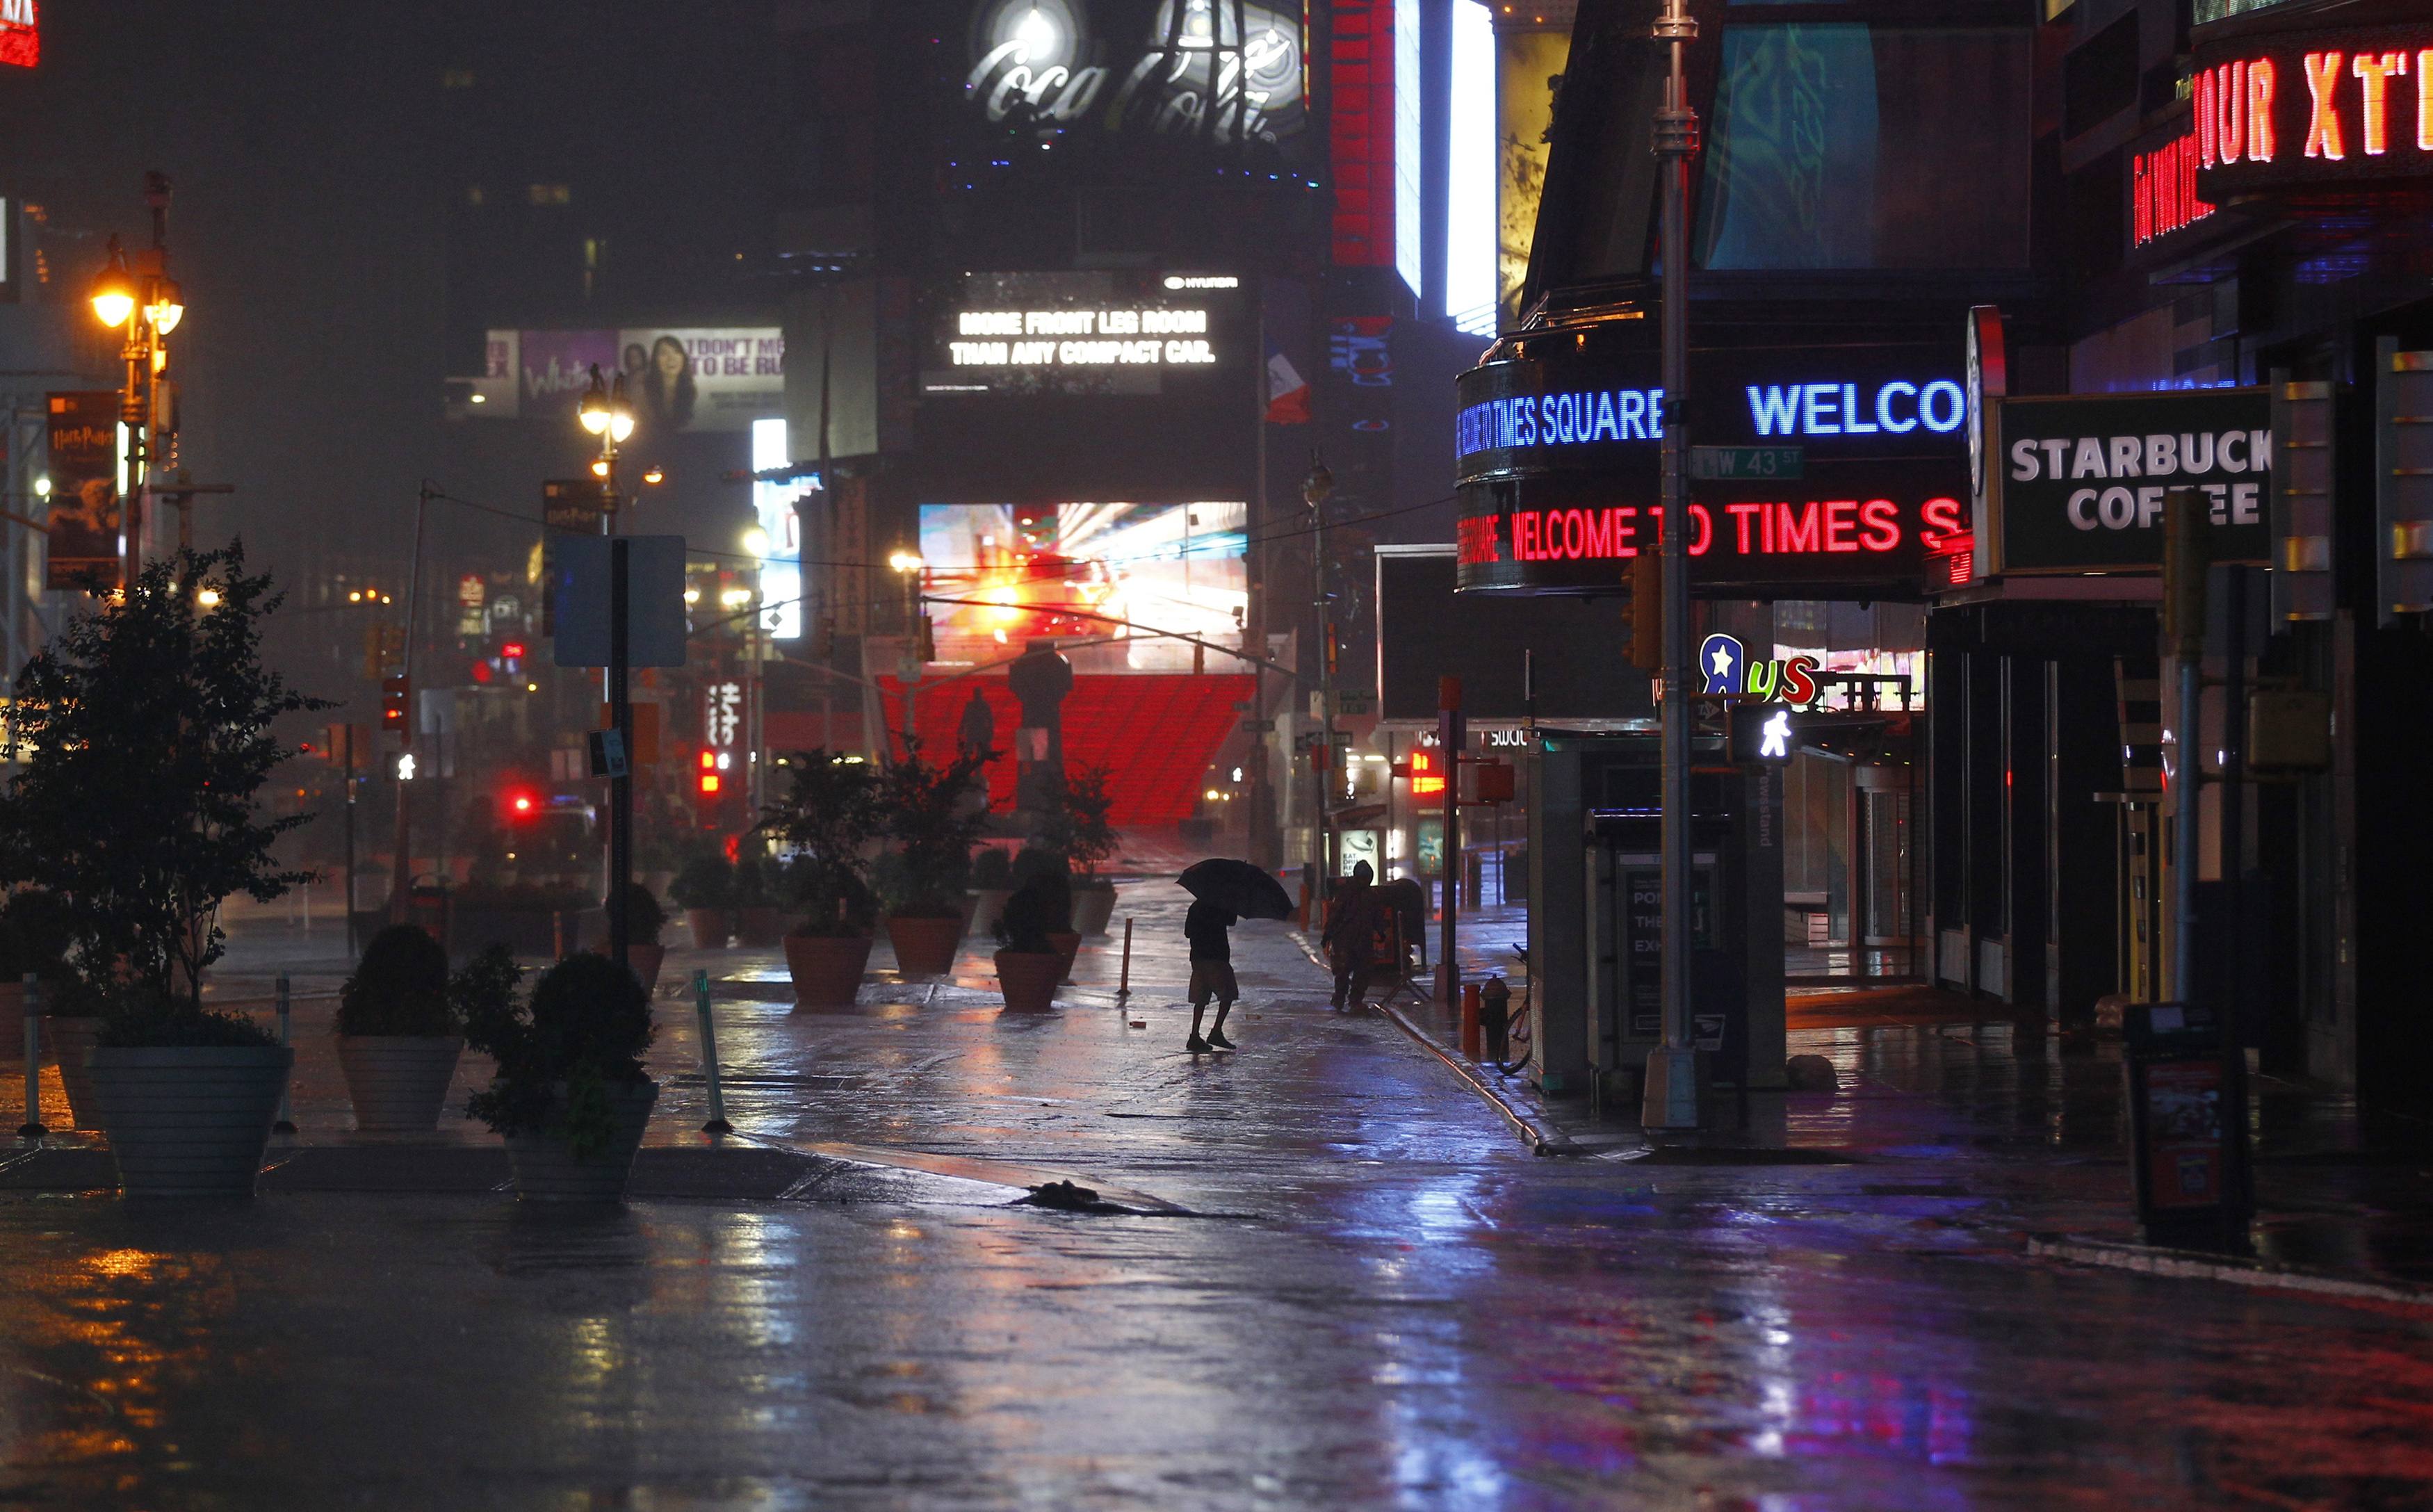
(1736, 963)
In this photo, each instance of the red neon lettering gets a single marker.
(1741, 514)
(1624, 531)
(2374, 73)
(1940, 516)
(2261, 145)
(2230, 110)
(1478, 539)
(2208, 107)
(1702, 530)
(2141, 199)
(1600, 533)
(1838, 524)
(1525, 538)
(1881, 520)
(1801, 532)
(2322, 121)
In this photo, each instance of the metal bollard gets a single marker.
(286, 1124)
(32, 1127)
(1124, 984)
(718, 1124)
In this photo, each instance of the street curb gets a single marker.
(1534, 1131)
(2198, 1265)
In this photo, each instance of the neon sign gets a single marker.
(2295, 107)
(1750, 528)
(21, 34)
(1725, 667)
(2163, 189)
(1584, 417)
(1222, 72)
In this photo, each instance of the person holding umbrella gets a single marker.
(1224, 892)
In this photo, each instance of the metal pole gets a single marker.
(348, 897)
(1261, 836)
(32, 1127)
(2236, 1175)
(402, 885)
(286, 1124)
(620, 785)
(1316, 490)
(1451, 735)
(1673, 1081)
(718, 1124)
(1124, 982)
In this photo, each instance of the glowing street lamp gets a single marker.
(113, 291)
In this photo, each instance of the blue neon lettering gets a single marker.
(1606, 428)
(1818, 418)
(1884, 407)
(1850, 420)
(1958, 405)
(1631, 413)
(1775, 410)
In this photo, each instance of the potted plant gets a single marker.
(645, 923)
(927, 814)
(760, 913)
(398, 1034)
(705, 889)
(1029, 964)
(569, 1094)
(831, 815)
(992, 884)
(1045, 870)
(148, 730)
(1077, 830)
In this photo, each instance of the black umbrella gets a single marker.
(1237, 887)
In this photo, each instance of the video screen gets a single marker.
(1134, 576)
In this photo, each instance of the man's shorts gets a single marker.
(1213, 978)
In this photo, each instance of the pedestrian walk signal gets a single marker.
(392, 701)
(1761, 733)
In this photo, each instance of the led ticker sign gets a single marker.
(2290, 110)
(1079, 338)
(1556, 462)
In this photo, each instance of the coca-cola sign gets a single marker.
(1219, 72)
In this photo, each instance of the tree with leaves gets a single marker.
(934, 827)
(145, 729)
(1074, 825)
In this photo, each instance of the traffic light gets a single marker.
(520, 803)
(1427, 772)
(928, 642)
(2184, 560)
(824, 639)
(393, 702)
(707, 778)
(1647, 611)
(2301, 500)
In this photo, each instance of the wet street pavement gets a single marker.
(1377, 1294)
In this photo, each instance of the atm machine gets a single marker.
(1601, 1010)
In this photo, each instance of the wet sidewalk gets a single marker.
(1379, 1297)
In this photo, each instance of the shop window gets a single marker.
(1849, 145)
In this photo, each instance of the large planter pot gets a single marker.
(924, 947)
(646, 962)
(988, 906)
(826, 968)
(709, 927)
(189, 1121)
(1028, 979)
(760, 927)
(1068, 945)
(399, 1081)
(1091, 908)
(71, 1039)
(546, 1171)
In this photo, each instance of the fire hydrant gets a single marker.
(1495, 1018)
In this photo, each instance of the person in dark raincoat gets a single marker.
(1351, 936)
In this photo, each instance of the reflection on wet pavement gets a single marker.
(1386, 1300)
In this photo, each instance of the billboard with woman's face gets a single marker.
(680, 377)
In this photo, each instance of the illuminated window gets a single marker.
(473, 194)
(456, 79)
(549, 194)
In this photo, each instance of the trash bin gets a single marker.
(2188, 1166)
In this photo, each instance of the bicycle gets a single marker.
(1517, 1029)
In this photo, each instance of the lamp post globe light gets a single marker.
(606, 413)
(140, 299)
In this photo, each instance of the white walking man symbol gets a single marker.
(1775, 746)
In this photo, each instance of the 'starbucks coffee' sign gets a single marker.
(2078, 483)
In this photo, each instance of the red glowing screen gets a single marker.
(21, 34)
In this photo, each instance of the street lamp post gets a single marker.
(1673, 1084)
(1315, 489)
(147, 302)
(915, 659)
(605, 412)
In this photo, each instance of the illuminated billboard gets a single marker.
(1221, 72)
(781, 529)
(677, 378)
(1094, 332)
(999, 575)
